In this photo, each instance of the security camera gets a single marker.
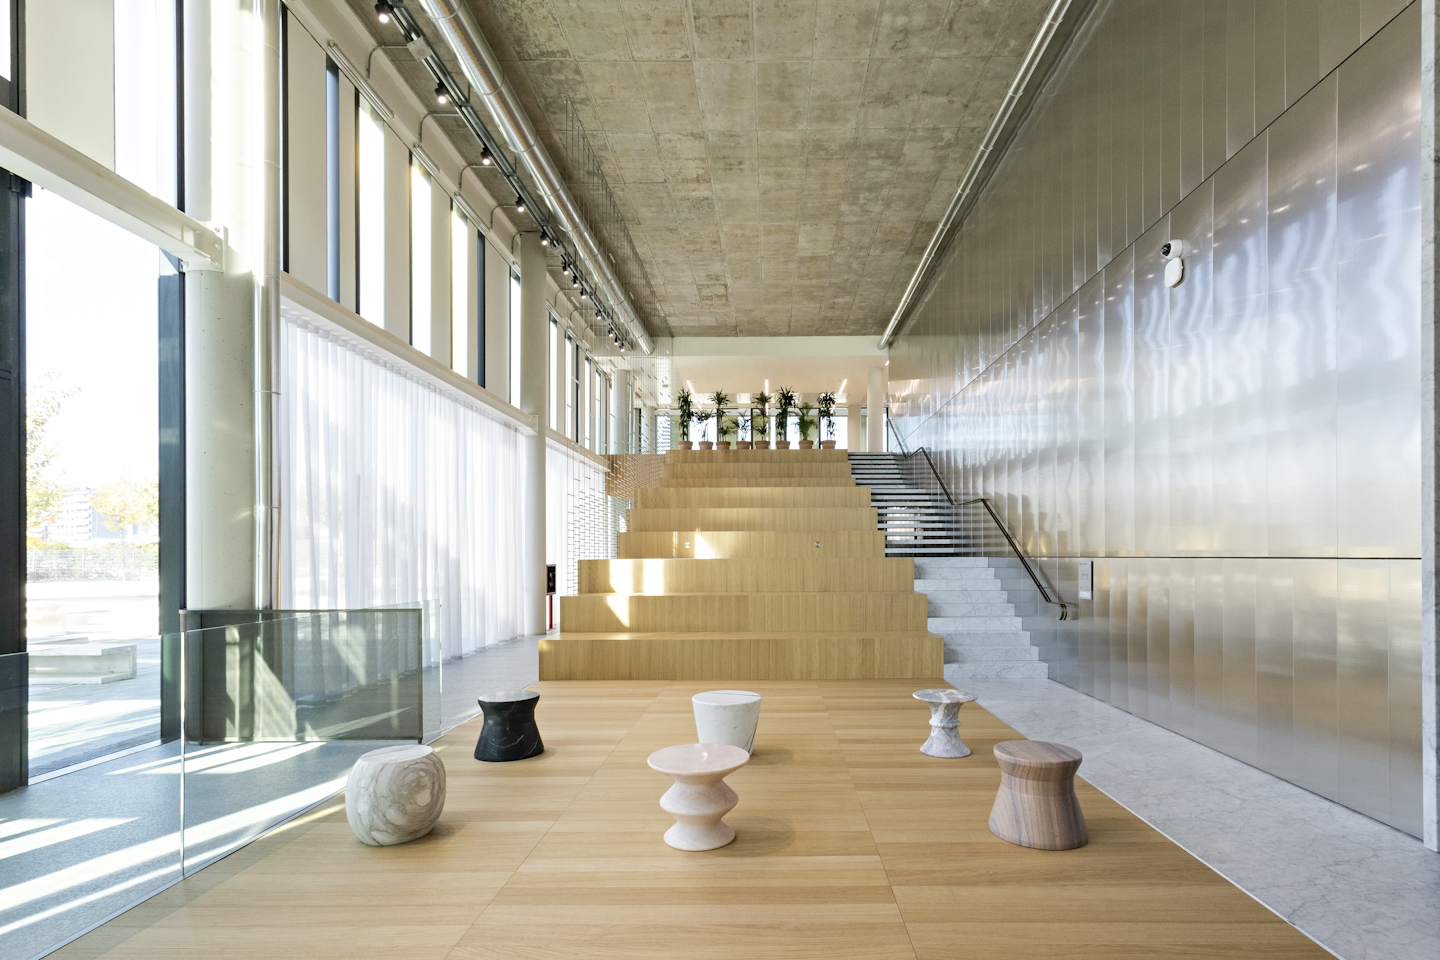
(1173, 250)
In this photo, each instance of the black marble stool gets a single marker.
(509, 731)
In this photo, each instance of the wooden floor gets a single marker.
(850, 844)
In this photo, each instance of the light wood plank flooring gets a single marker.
(850, 844)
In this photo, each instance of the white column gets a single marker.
(534, 358)
(852, 426)
(875, 409)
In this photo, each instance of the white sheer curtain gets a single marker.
(394, 492)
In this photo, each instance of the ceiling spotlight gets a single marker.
(584, 293)
(544, 239)
(384, 11)
(575, 279)
(485, 158)
(519, 203)
(442, 96)
(564, 267)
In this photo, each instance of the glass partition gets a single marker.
(275, 709)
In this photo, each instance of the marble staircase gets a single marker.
(975, 605)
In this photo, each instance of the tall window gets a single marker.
(420, 269)
(371, 218)
(460, 351)
(597, 418)
(480, 309)
(571, 387)
(550, 373)
(514, 336)
(585, 416)
(332, 180)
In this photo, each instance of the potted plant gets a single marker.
(720, 398)
(762, 414)
(826, 404)
(702, 417)
(807, 423)
(686, 403)
(744, 429)
(785, 400)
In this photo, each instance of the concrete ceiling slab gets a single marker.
(781, 163)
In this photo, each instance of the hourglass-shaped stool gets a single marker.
(700, 797)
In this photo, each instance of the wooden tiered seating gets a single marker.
(747, 565)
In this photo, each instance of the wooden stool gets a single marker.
(1036, 806)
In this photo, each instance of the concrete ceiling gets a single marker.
(781, 164)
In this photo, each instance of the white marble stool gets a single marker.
(395, 794)
(699, 797)
(727, 716)
(945, 705)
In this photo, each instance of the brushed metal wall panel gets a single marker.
(1152, 398)
(1137, 639)
(1118, 648)
(1302, 48)
(1135, 94)
(1182, 647)
(1067, 419)
(1269, 62)
(1213, 83)
(1375, 14)
(1315, 716)
(1119, 331)
(1109, 155)
(1157, 640)
(1097, 634)
(1191, 380)
(1171, 44)
(1300, 349)
(1047, 386)
(1339, 32)
(1086, 168)
(1239, 75)
(1275, 666)
(1378, 296)
(1090, 449)
(1147, 31)
(1209, 647)
(1362, 695)
(1238, 345)
(1238, 659)
(1403, 681)
(1187, 25)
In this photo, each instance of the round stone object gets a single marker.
(727, 716)
(395, 794)
(509, 731)
(1036, 805)
(700, 797)
(945, 705)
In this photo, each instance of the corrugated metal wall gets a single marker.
(1241, 453)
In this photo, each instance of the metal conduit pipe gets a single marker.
(469, 46)
(1032, 59)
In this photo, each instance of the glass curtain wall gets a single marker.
(514, 338)
(370, 217)
(460, 350)
(420, 266)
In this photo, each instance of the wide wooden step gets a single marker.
(846, 496)
(737, 468)
(707, 544)
(752, 518)
(790, 575)
(757, 456)
(719, 655)
(744, 612)
(691, 483)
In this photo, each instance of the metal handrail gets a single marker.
(1045, 593)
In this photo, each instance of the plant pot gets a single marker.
(807, 444)
(783, 445)
(827, 444)
(744, 444)
(687, 445)
(705, 445)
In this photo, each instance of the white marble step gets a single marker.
(986, 638)
(975, 653)
(940, 611)
(964, 624)
(996, 671)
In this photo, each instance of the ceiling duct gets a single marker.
(468, 45)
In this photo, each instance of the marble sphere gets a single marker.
(395, 794)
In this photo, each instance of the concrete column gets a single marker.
(875, 409)
(534, 382)
(224, 310)
(852, 426)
